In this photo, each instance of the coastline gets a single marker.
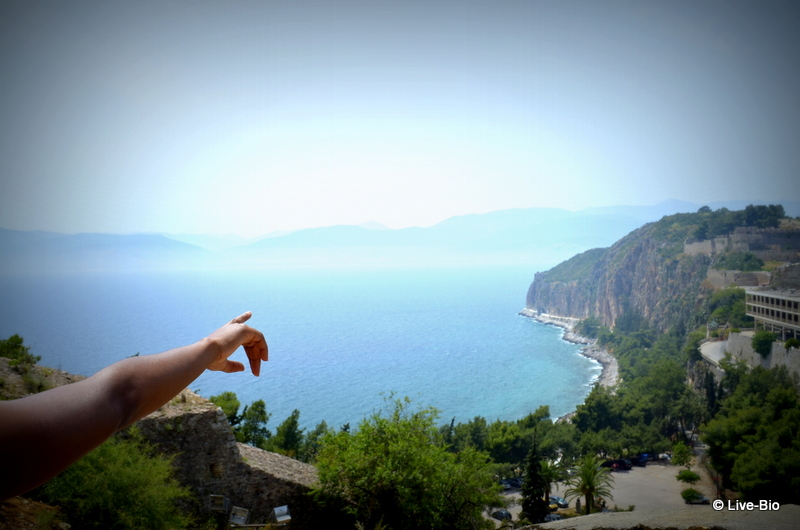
(609, 374)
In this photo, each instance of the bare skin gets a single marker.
(42, 434)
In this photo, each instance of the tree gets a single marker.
(313, 442)
(14, 349)
(589, 327)
(229, 404)
(253, 428)
(394, 470)
(701, 232)
(753, 440)
(762, 342)
(288, 438)
(119, 485)
(552, 473)
(682, 455)
(534, 488)
(591, 481)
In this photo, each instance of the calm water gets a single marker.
(448, 338)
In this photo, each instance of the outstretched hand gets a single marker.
(232, 335)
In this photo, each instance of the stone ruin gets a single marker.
(209, 460)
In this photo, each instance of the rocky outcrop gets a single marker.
(644, 274)
(786, 277)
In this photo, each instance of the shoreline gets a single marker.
(609, 374)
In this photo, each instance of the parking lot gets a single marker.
(652, 487)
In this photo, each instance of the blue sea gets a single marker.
(340, 340)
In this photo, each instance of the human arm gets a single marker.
(42, 434)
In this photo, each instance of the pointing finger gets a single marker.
(244, 317)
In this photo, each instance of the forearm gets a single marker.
(41, 435)
(141, 385)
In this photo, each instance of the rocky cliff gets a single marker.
(645, 274)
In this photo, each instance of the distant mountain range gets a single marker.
(535, 237)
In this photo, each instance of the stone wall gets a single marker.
(723, 278)
(769, 244)
(740, 347)
(210, 461)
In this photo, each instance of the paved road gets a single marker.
(714, 352)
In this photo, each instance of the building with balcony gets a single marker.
(776, 311)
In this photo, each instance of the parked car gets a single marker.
(551, 517)
(622, 464)
(505, 484)
(515, 482)
(502, 515)
(559, 501)
(640, 460)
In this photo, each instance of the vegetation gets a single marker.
(754, 440)
(682, 455)
(792, 343)
(589, 327)
(727, 306)
(288, 439)
(535, 488)
(229, 404)
(577, 267)
(20, 355)
(395, 469)
(591, 482)
(688, 476)
(691, 494)
(119, 485)
(762, 342)
(739, 261)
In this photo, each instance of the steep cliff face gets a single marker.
(645, 274)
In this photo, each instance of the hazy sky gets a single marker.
(250, 117)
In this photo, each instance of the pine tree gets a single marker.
(534, 487)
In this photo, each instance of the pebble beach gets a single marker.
(609, 376)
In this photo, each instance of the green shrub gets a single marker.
(688, 476)
(394, 470)
(739, 261)
(589, 327)
(793, 343)
(21, 358)
(762, 342)
(690, 494)
(119, 485)
(35, 382)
